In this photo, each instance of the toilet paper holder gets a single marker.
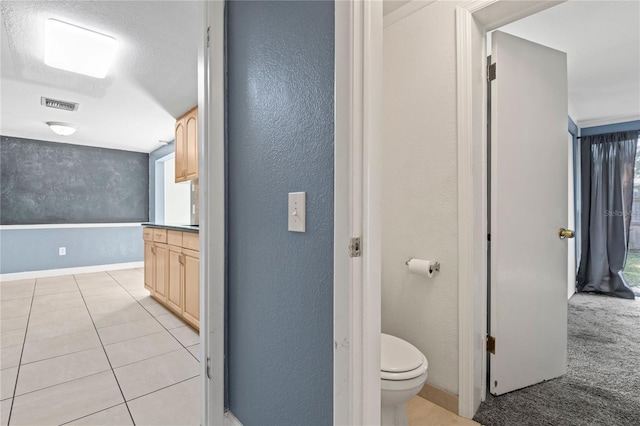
(435, 267)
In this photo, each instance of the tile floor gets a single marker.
(425, 413)
(94, 349)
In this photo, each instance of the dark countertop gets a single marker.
(188, 228)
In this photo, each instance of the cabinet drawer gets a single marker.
(147, 234)
(160, 235)
(174, 238)
(190, 241)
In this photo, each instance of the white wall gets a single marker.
(177, 197)
(419, 186)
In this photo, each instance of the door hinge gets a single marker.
(355, 247)
(208, 32)
(209, 368)
(488, 237)
(491, 73)
(491, 344)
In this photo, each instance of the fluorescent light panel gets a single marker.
(78, 50)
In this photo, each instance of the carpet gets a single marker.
(602, 384)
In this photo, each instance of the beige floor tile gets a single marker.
(60, 345)
(15, 308)
(96, 291)
(10, 356)
(57, 302)
(54, 371)
(15, 323)
(58, 323)
(157, 310)
(130, 351)
(17, 283)
(142, 293)
(156, 373)
(15, 293)
(56, 288)
(195, 351)
(5, 409)
(8, 382)
(425, 413)
(87, 285)
(68, 401)
(130, 330)
(170, 321)
(128, 314)
(92, 276)
(109, 306)
(186, 335)
(176, 405)
(54, 279)
(114, 416)
(11, 338)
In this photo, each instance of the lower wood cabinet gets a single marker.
(172, 272)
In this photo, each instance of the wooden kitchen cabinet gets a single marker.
(172, 271)
(174, 296)
(191, 306)
(187, 146)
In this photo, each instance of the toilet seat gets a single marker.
(400, 360)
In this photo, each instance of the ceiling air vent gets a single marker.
(54, 103)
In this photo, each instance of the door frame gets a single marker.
(473, 21)
(357, 280)
(211, 169)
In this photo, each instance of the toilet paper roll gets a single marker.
(425, 268)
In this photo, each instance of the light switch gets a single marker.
(297, 211)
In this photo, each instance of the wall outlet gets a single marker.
(62, 251)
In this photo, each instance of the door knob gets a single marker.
(565, 233)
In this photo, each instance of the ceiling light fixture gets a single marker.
(77, 49)
(61, 129)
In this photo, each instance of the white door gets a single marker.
(528, 284)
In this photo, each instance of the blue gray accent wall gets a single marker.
(610, 128)
(48, 182)
(24, 250)
(280, 68)
(159, 153)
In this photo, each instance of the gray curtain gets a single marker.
(607, 195)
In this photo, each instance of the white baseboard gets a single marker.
(230, 419)
(69, 271)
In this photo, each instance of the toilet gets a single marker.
(403, 371)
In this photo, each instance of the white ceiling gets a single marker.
(602, 42)
(152, 82)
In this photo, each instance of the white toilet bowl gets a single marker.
(403, 371)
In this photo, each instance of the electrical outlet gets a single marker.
(62, 251)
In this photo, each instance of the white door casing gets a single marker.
(529, 203)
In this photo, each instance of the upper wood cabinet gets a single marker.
(187, 146)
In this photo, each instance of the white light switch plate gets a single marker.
(297, 211)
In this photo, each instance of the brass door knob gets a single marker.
(565, 233)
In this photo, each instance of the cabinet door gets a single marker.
(191, 306)
(162, 272)
(149, 266)
(191, 126)
(180, 149)
(176, 273)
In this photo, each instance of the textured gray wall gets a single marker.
(37, 249)
(280, 60)
(47, 182)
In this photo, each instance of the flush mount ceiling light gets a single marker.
(77, 49)
(62, 129)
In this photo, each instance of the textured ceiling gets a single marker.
(602, 42)
(152, 81)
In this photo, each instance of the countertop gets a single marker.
(188, 228)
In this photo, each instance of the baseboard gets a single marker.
(69, 271)
(230, 419)
(439, 397)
